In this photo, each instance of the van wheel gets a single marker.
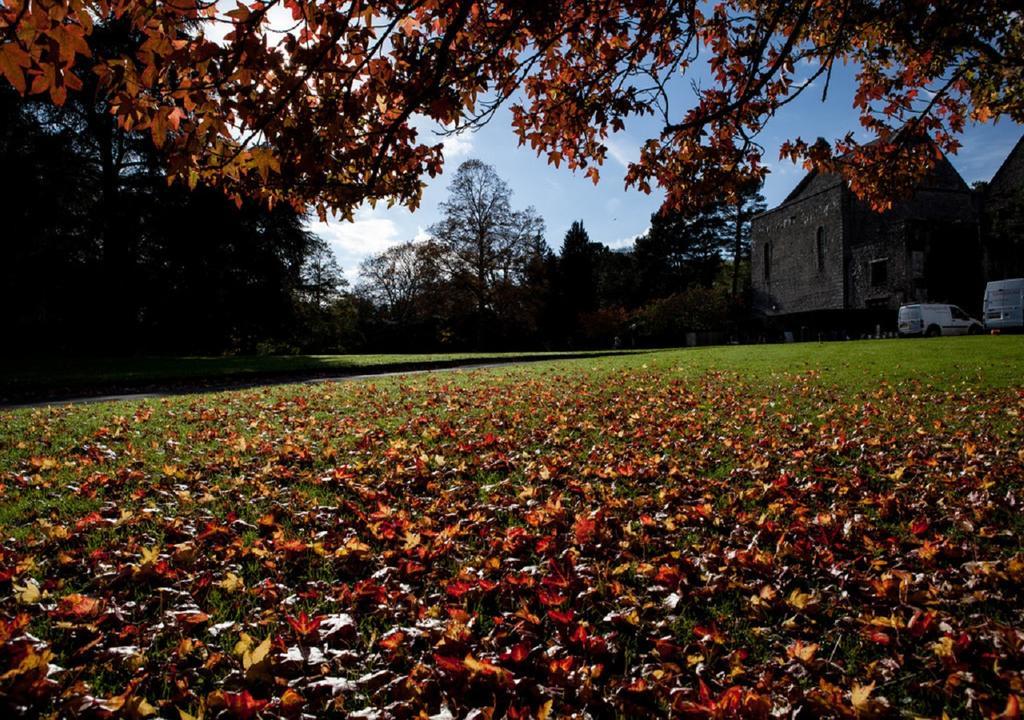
(932, 331)
(974, 330)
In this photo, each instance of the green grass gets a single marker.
(59, 376)
(942, 362)
(976, 361)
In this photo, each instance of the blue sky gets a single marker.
(611, 214)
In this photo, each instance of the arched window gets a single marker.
(820, 247)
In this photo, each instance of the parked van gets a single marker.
(1004, 304)
(932, 320)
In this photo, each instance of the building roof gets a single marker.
(1010, 175)
(943, 176)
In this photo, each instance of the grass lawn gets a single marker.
(834, 529)
(29, 379)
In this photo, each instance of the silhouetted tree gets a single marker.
(750, 203)
(680, 250)
(485, 244)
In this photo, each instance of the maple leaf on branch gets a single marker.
(319, 110)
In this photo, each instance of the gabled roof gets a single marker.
(1010, 175)
(942, 176)
(811, 184)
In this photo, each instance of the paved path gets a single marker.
(263, 382)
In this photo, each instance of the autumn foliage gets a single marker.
(606, 544)
(325, 104)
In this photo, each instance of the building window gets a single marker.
(767, 262)
(820, 247)
(879, 272)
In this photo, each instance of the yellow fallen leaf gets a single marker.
(802, 651)
(859, 695)
(544, 712)
(411, 540)
(28, 593)
(231, 583)
(257, 655)
(799, 599)
(149, 556)
(944, 647)
(244, 644)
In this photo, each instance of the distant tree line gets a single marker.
(100, 255)
(485, 278)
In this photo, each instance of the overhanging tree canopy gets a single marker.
(317, 102)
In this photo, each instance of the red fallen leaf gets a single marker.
(486, 668)
(517, 654)
(879, 637)
(450, 664)
(585, 530)
(637, 686)
(560, 665)
(735, 701)
(78, 608)
(304, 625)
(193, 619)
(293, 547)
(920, 623)
(489, 440)
(668, 576)
(561, 617)
(458, 588)
(549, 599)
(243, 705)
(88, 521)
(667, 649)
(596, 645)
(393, 641)
(709, 633)
(919, 526)
(546, 543)
(520, 580)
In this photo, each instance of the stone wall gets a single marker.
(797, 279)
(929, 245)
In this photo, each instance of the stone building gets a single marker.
(1003, 218)
(823, 260)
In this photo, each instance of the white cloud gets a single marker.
(626, 242)
(353, 242)
(456, 146)
(421, 234)
(622, 150)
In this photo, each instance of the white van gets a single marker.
(1004, 304)
(932, 320)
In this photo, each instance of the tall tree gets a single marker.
(398, 279)
(486, 245)
(577, 276)
(323, 112)
(682, 249)
(749, 203)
